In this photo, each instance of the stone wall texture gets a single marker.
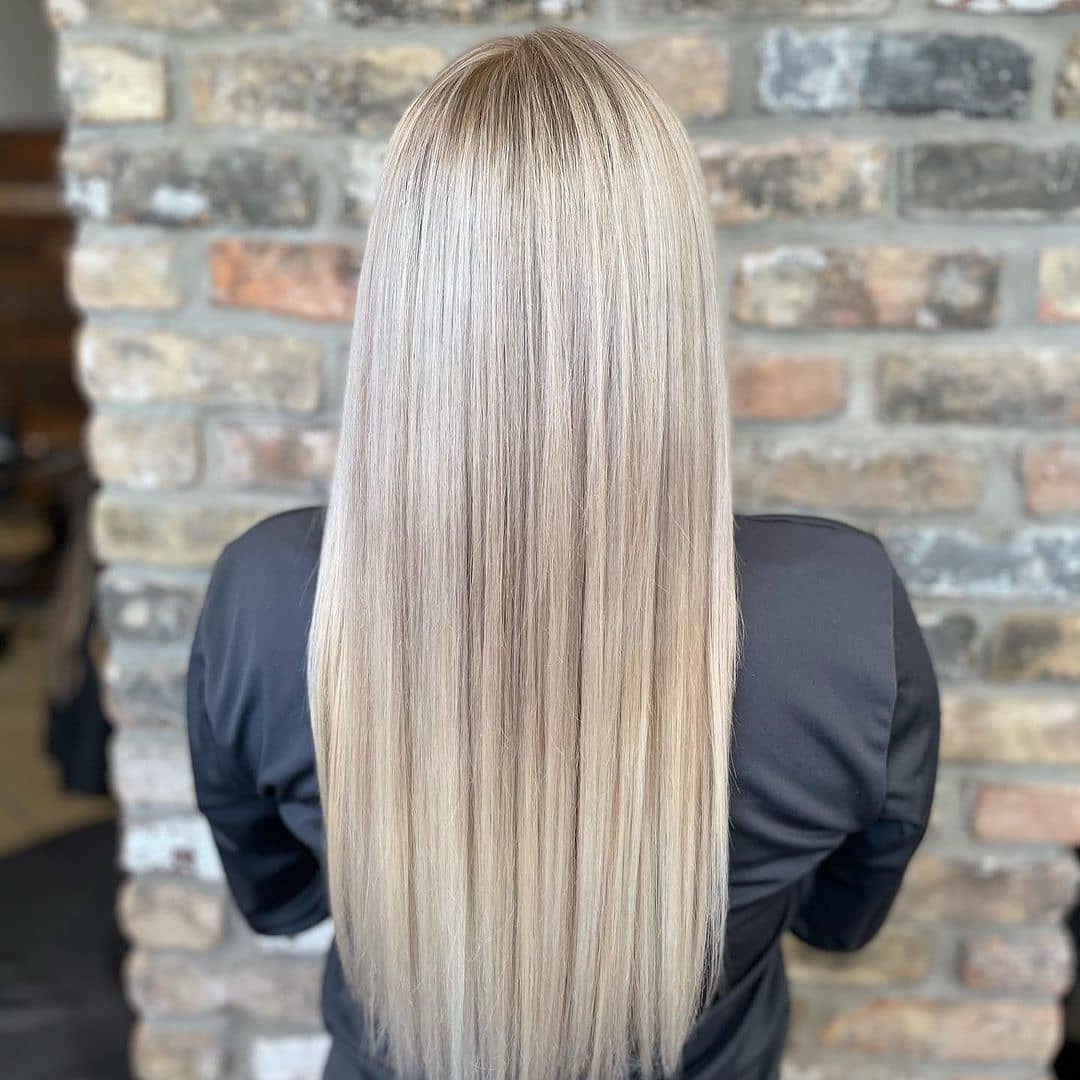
(896, 189)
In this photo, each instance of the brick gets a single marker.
(143, 451)
(177, 844)
(806, 1064)
(307, 281)
(1007, 7)
(1050, 473)
(164, 913)
(795, 177)
(270, 454)
(858, 477)
(175, 984)
(992, 180)
(189, 984)
(824, 9)
(781, 386)
(311, 87)
(691, 72)
(996, 385)
(145, 688)
(800, 1064)
(953, 561)
(188, 15)
(993, 1032)
(1067, 85)
(136, 366)
(1028, 813)
(988, 889)
(147, 607)
(898, 954)
(1034, 646)
(1059, 285)
(179, 1052)
(1032, 730)
(278, 989)
(123, 277)
(367, 12)
(171, 533)
(109, 83)
(150, 770)
(289, 1057)
(841, 69)
(361, 174)
(792, 287)
(1038, 962)
(952, 638)
(166, 185)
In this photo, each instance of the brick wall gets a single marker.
(896, 187)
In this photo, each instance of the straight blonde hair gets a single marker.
(523, 646)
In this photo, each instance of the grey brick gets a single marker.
(169, 186)
(951, 561)
(841, 69)
(992, 179)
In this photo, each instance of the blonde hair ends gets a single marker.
(523, 647)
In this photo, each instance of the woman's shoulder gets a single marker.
(816, 561)
(261, 590)
(817, 680)
(246, 684)
(797, 539)
(272, 561)
(816, 597)
(287, 536)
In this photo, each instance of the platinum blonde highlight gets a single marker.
(523, 647)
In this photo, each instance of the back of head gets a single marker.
(522, 652)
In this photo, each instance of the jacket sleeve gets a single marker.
(275, 879)
(847, 899)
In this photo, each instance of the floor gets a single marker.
(62, 1012)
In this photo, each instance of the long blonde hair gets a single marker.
(523, 646)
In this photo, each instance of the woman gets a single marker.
(526, 676)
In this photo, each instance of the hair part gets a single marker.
(523, 646)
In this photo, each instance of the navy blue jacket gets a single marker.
(834, 761)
